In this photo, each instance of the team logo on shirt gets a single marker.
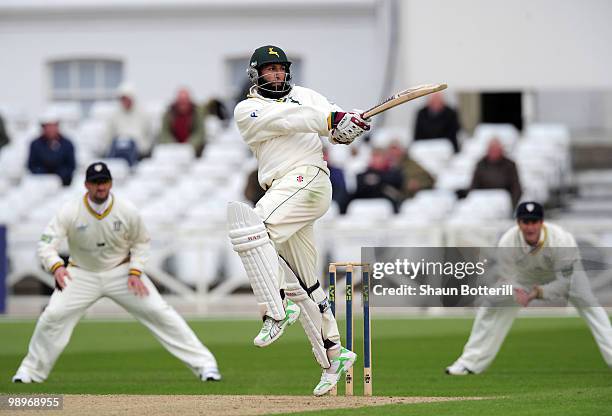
(81, 227)
(300, 179)
(117, 226)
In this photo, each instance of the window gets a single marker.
(239, 81)
(85, 80)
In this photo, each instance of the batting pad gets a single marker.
(310, 315)
(250, 239)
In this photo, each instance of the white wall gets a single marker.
(165, 45)
(519, 44)
(545, 47)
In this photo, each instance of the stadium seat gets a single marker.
(428, 205)
(485, 204)
(68, 112)
(13, 160)
(506, 133)
(102, 110)
(92, 134)
(41, 185)
(173, 153)
(433, 154)
(370, 209)
(153, 169)
(558, 133)
(384, 136)
(232, 153)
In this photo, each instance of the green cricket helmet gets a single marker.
(269, 55)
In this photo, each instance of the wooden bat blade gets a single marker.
(402, 97)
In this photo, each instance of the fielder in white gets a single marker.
(283, 125)
(542, 263)
(109, 246)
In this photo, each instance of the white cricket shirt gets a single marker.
(97, 241)
(286, 133)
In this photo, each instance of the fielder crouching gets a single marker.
(542, 261)
(283, 125)
(109, 246)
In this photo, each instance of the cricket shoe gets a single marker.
(273, 329)
(210, 374)
(21, 377)
(331, 376)
(457, 370)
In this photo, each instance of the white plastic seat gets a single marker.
(217, 172)
(151, 169)
(384, 136)
(13, 160)
(102, 110)
(68, 112)
(486, 204)
(506, 133)
(557, 133)
(40, 184)
(434, 155)
(174, 153)
(375, 208)
(233, 153)
(92, 133)
(430, 204)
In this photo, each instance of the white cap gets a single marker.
(49, 116)
(126, 89)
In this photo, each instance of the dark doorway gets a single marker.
(502, 107)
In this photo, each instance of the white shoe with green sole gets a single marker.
(272, 329)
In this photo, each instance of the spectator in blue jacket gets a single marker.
(52, 152)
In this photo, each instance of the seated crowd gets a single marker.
(390, 172)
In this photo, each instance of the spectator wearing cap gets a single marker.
(52, 152)
(183, 122)
(436, 121)
(496, 171)
(129, 130)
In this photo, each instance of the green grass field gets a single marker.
(547, 365)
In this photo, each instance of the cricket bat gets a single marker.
(402, 97)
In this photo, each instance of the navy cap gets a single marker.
(529, 210)
(98, 172)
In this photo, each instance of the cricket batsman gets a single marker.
(283, 125)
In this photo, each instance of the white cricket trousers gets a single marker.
(289, 209)
(493, 323)
(66, 307)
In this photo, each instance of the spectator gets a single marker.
(4, 138)
(129, 128)
(416, 177)
(183, 122)
(52, 152)
(253, 190)
(380, 180)
(437, 120)
(336, 176)
(495, 171)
